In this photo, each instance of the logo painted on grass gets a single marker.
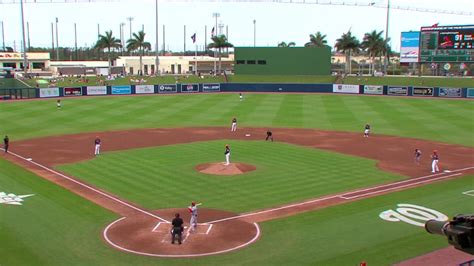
(412, 214)
(12, 199)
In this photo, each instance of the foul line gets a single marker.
(398, 187)
(341, 195)
(89, 187)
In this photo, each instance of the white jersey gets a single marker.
(193, 210)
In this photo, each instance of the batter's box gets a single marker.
(469, 193)
(203, 229)
(161, 227)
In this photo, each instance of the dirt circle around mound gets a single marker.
(223, 169)
(150, 236)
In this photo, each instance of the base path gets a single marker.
(220, 231)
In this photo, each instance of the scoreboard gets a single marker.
(447, 44)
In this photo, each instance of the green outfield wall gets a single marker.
(282, 61)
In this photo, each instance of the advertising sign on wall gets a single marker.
(167, 88)
(470, 93)
(345, 88)
(123, 89)
(76, 91)
(421, 91)
(49, 92)
(216, 87)
(450, 92)
(397, 91)
(409, 47)
(373, 89)
(96, 90)
(189, 87)
(141, 89)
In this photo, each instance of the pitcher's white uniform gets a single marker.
(227, 155)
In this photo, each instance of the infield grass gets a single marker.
(164, 177)
(450, 121)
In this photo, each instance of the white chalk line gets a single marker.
(87, 186)
(209, 229)
(341, 195)
(105, 232)
(398, 187)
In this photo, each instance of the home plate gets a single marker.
(447, 171)
(247, 135)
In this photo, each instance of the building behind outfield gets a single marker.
(282, 61)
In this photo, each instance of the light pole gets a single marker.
(75, 39)
(57, 41)
(25, 60)
(385, 60)
(215, 15)
(130, 19)
(157, 60)
(3, 36)
(122, 36)
(254, 33)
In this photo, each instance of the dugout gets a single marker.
(282, 61)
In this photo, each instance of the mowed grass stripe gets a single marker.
(164, 177)
(419, 118)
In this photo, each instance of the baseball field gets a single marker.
(319, 194)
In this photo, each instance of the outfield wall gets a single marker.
(388, 90)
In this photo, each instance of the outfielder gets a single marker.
(97, 146)
(227, 154)
(193, 210)
(434, 163)
(234, 125)
(417, 156)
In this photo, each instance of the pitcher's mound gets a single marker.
(222, 169)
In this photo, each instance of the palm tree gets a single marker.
(348, 44)
(317, 40)
(138, 43)
(284, 44)
(373, 43)
(108, 41)
(219, 42)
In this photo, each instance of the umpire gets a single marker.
(177, 229)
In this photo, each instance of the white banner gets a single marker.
(345, 88)
(373, 89)
(139, 89)
(49, 92)
(96, 90)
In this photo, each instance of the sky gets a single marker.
(275, 22)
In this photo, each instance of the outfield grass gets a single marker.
(392, 80)
(164, 177)
(56, 227)
(442, 120)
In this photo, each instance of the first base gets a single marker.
(247, 135)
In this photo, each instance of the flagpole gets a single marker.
(195, 61)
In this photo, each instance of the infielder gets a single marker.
(234, 125)
(97, 143)
(367, 131)
(434, 163)
(193, 210)
(227, 154)
(417, 156)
